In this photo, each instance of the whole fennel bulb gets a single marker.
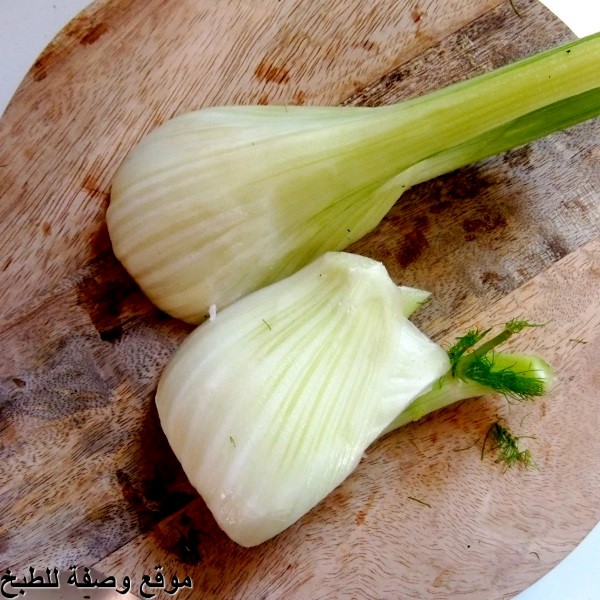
(220, 202)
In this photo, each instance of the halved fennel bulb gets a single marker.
(272, 404)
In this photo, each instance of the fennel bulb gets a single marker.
(272, 404)
(223, 201)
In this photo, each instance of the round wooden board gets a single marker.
(86, 475)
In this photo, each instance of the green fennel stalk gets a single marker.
(480, 370)
(497, 111)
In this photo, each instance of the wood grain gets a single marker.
(86, 475)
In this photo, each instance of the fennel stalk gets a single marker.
(480, 371)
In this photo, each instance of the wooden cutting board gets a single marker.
(86, 475)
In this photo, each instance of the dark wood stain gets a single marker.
(152, 482)
(493, 279)
(188, 540)
(299, 98)
(439, 207)
(164, 483)
(39, 69)
(90, 184)
(46, 228)
(370, 46)
(422, 222)
(44, 62)
(107, 293)
(267, 71)
(134, 499)
(416, 15)
(111, 335)
(192, 537)
(414, 244)
(520, 158)
(466, 183)
(94, 34)
(557, 247)
(482, 224)
(81, 30)
(100, 244)
(39, 74)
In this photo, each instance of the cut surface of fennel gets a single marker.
(271, 405)
(220, 202)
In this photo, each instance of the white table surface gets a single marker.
(27, 26)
